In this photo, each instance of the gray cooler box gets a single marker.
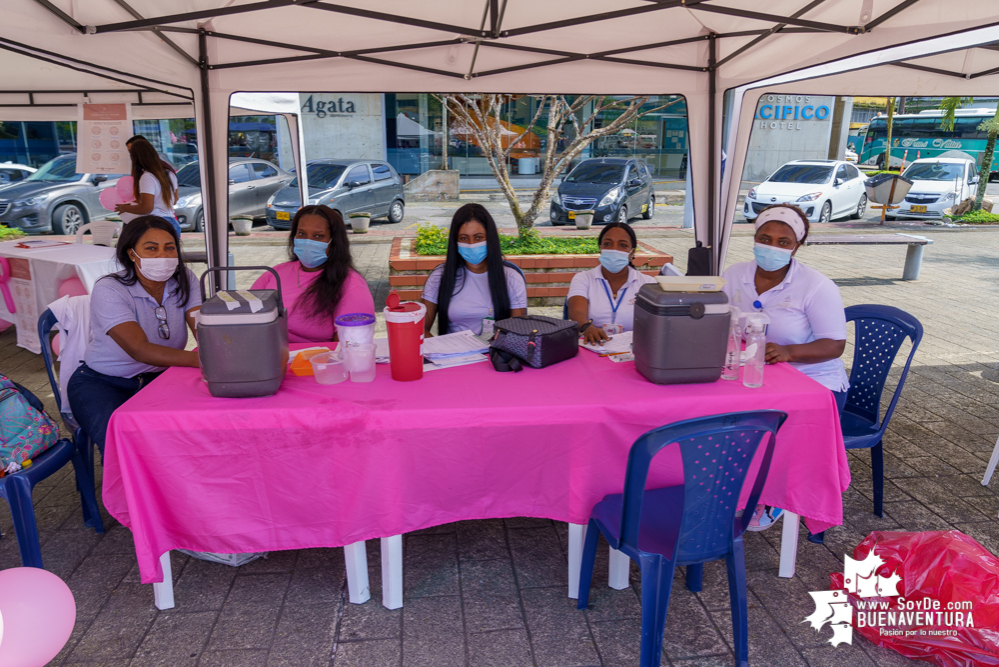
(680, 337)
(243, 348)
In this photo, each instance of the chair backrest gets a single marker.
(515, 268)
(880, 332)
(102, 232)
(716, 452)
(670, 270)
(45, 324)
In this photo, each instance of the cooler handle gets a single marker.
(219, 269)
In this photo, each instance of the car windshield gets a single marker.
(596, 173)
(935, 171)
(321, 176)
(802, 173)
(60, 170)
(189, 175)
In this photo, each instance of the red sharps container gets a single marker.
(404, 322)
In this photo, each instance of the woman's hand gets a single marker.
(595, 335)
(122, 208)
(777, 353)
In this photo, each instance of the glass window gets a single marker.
(62, 169)
(381, 171)
(935, 171)
(843, 172)
(322, 176)
(190, 175)
(802, 173)
(972, 172)
(239, 173)
(11, 175)
(852, 171)
(359, 174)
(263, 170)
(967, 128)
(596, 172)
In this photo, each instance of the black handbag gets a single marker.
(534, 340)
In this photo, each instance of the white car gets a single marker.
(850, 156)
(14, 173)
(937, 183)
(823, 189)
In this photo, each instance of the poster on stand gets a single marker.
(26, 317)
(102, 130)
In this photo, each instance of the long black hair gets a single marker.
(130, 237)
(454, 266)
(323, 296)
(619, 225)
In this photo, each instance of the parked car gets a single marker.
(823, 189)
(251, 183)
(614, 188)
(347, 186)
(55, 198)
(850, 156)
(937, 183)
(13, 173)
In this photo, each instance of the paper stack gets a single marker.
(456, 349)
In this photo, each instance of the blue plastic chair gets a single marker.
(16, 489)
(880, 332)
(688, 524)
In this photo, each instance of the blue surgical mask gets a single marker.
(473, 253)
(311, 253)
(614, 260)
(770, 258)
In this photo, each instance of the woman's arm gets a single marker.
(131, 338)
(144, 206)
(815, 352)
(518, 312)
(428, 320)
(191, 322)
(579, 310)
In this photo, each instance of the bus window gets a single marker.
(967, 128)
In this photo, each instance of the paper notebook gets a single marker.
(618, 344)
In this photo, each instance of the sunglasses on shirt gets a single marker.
(164, 328)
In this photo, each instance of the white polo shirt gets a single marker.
(805, 307)
(592, 286)
(471, 300)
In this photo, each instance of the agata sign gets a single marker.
(785, 112)
(323, 108)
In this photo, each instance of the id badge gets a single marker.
(488, 326)
(613, 329)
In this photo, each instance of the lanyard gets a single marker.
(610, 299)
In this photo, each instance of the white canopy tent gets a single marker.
(54, 51)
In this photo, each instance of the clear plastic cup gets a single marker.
(361, 362)
(329, 368)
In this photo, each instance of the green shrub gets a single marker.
(868, 174)
(979, 217)
(9, 234)
(432, 240)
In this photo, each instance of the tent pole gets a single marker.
(712, 141)
(215, 245)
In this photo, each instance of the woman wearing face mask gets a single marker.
(807, 321)
(606, 294)
(320, 282)
(139, 319)
(473, 284)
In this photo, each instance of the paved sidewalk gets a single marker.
(485, 593)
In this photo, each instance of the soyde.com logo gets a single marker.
(896, 617)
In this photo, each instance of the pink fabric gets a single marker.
(302, 327)
(324, 466)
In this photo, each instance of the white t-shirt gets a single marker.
(471, 301)
(592, 286)
(150, 185)
(805, 307)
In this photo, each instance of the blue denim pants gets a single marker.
(93, 397)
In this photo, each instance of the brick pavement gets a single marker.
(492, 592)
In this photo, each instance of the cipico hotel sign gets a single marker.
(789, 112)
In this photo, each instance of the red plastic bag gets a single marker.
(944, 575)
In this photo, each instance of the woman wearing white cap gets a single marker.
(807, 321)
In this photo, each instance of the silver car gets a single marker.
(251, 184)
(347, 186)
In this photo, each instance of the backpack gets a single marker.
(25, 430)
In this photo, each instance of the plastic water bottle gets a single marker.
(731, 369)
(756, 347)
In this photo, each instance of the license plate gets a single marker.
(917, 209)
(283, 215)
(572, 215)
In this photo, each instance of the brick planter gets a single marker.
(548, 276)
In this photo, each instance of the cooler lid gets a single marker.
(240, 307)
(654, 300)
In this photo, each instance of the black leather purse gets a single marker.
(533, 340)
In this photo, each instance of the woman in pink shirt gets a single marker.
(320, 283)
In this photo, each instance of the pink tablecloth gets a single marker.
(325, 466)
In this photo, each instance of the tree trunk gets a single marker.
(983, 175)
(891, 116)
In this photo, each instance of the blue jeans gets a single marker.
(93, 397)
(840, 397)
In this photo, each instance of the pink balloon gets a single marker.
(4, 325)
(39, 613)
(55, 345)
(125, 188)
(72, 287)
(110, 198)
